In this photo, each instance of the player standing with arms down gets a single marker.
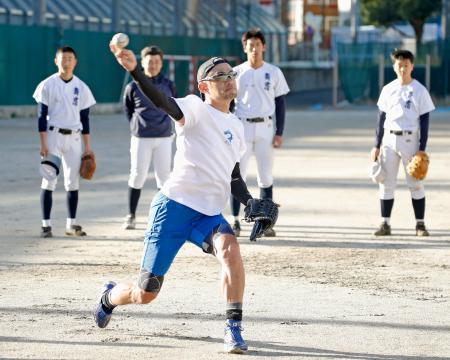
(151, 131)
(404, 114)
(63, 121)
(261, 94)
(210, 142)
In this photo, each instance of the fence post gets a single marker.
(380, 72)
(335, 80)
(428, 71)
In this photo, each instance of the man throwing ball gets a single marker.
(210, 142)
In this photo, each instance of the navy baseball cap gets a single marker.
(207, 66)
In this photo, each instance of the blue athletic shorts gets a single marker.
(170, 225)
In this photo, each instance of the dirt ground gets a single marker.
(324, 288)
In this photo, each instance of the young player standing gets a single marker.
(404, 114)
(261, 94)
(151, 131)
(63, 121)
(210, 142)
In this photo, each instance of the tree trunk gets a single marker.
(417, 25)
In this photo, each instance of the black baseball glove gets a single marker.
(264, 213)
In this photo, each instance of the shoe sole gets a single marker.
(235, 351)
(75, 234)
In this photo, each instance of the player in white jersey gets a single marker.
(261, 96)
(210, 143)
(404, 113)
(63, 121)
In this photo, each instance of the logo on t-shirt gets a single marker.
(228, 135)
(408, 102)
(267, 81)
(76, 92)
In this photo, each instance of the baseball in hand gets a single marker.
(120, 40)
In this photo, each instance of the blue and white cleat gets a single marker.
(101, 315)
(233, 341)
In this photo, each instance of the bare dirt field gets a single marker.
(324, 288)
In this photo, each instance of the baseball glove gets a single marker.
(88, 165)
(418, 165)
(264, 213)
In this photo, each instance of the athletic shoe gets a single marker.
(237, 228)
(270, 233)
(46, 232)
(421, 230)
(75, 230)
(102, 315)
(130, 222)
(383, 230)
(233, 341)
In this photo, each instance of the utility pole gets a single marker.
(39, 10)
(354, 20)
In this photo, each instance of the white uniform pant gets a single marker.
(396, 148)
(69, 148)
(259, 139)
(142, 150)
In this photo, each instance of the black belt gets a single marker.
(63, 131)
(257, 119)
(400, 132)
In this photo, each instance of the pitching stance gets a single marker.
(401, 135)
(261, 94)
(63, 121)
(210, 142)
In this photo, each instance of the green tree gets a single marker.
(386, 12)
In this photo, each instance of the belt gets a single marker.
(400, 132)
(63, 131)
(257, 119)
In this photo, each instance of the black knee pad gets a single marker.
(207, 245)
(149, 282)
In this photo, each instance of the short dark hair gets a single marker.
(151, 50)
(397, 54)
(253, 33)
(65, 49)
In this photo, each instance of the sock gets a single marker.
(72, 204)
(234, 311)
(387, 220)
(386, 207)
(46, 205)
(235, 206)
(106, 301)
(133, 199)
(419, 208)
(266, 193)
(236, 218)
(46, 223)
(70, 222)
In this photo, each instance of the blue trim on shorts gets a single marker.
(170, 225)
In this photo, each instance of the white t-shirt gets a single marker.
(404, 104)
(64, 101)
(257, 89)
(209, 145)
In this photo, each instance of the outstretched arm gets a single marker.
(127, 59)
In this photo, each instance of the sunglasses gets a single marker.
(221, 76)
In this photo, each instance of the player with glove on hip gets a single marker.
(63, 120)
(210, 142)
(401, 136)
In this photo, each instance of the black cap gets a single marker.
(207, 66)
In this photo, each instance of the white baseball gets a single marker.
(120, 40)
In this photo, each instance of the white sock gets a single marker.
(46, 223)
(236, 218)
(387, 220)
(420, 221)
(70, 222)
